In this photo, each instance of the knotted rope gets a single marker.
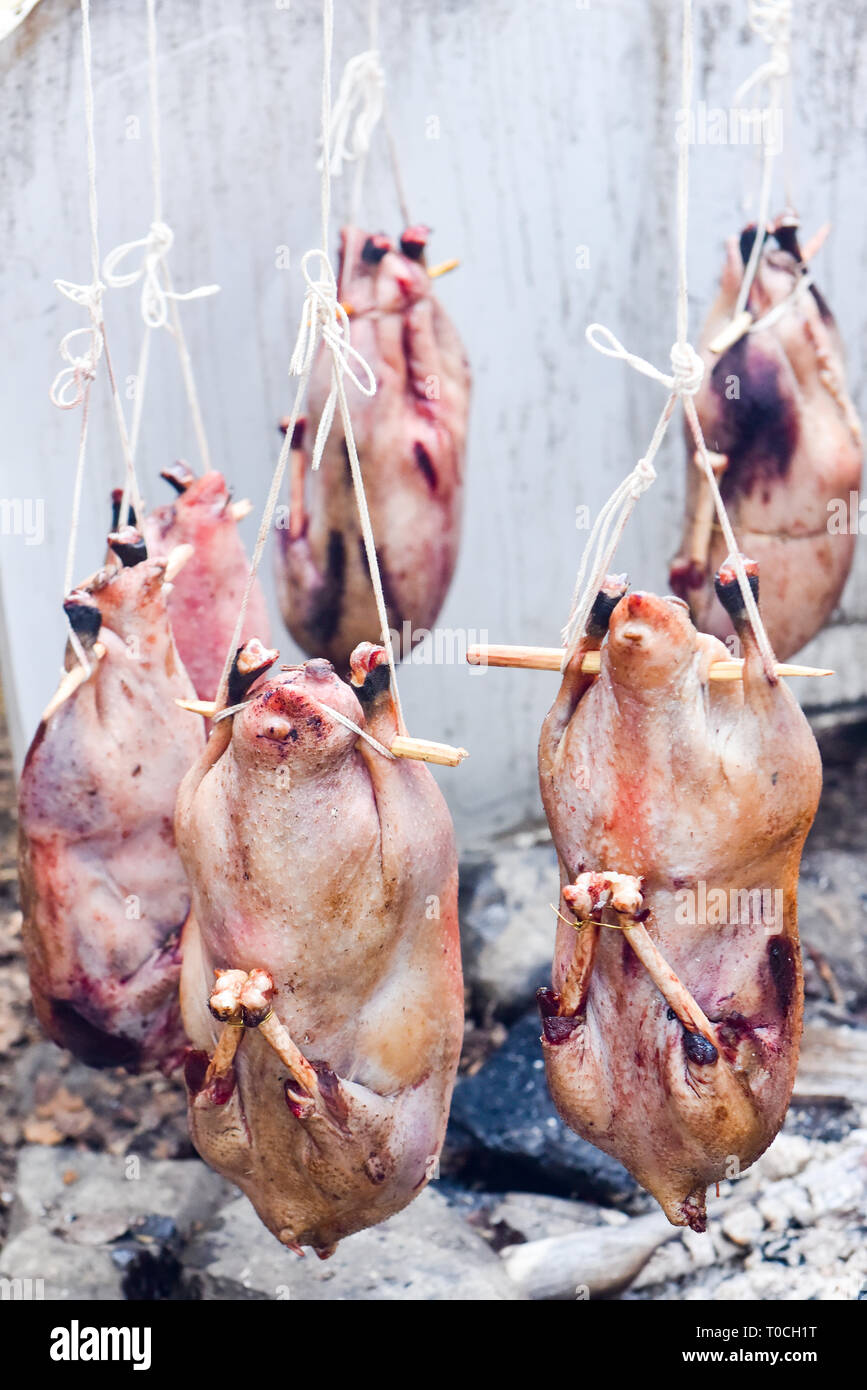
(159, 299)
(155, 295)
(771, 21)
(325, 321)
(683, 382)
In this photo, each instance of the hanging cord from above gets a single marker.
(683, 382)
(155, 295)
(159, 300)
(323, 320)
(771, 21)
(72, 385)
(361, 104)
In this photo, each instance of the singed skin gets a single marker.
(777, 404)
(102, 888)
(651, 770)
(410, 437)
(206, 594)
(314, 857)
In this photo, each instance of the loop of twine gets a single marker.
(357, 110)
(687, 368)
(683, 383)
(155, 295)
(770, 20)
(81, 367)
(323, 318)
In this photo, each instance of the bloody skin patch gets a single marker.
(781, 962)
(758, 431)
(328, 599)
(684, 576)
(425, 464)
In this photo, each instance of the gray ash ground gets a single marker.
(511, 1173)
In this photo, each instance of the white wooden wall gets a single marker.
(555, 132)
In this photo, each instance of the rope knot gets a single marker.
(771, 21)
(68, 387)
(324, 318)
(360, 98)
(687, 369)
(155, 291)
(643, 474)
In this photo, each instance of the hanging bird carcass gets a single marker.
(103, 891)
(776, 411)
(679, 807)
(321, 982)
(411, 438)
(207, 593)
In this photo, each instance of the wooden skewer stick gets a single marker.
(207, 708)
(702, 525)
(426, 751)
(423, 750)
(241, 509)
(442, 269)
(71, 682)
(816, 242)
(550, 659)
(433, 274)
(732, 333)
(742, 323)
(176, 561)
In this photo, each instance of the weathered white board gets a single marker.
(527, 132)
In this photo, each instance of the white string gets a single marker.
(77, 376)
(356, 114)
(770, 20)
(362, 97)
(159, 299)
(81, 368)
(683, 382)
(326, 709)
(155, 295)
(324, 320)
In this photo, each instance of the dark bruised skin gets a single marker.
(316, 859)
(411, 439)
(103, 892)
(777, 405)
(694, 790)
(760, 436)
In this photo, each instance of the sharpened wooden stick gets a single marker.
(207, 708)
(176, 560)
(423, 750)
(732, 333)
(550, 659)
(426, 751)
(433, 274)
(71, 682)
(442, 269)
(816, 242)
